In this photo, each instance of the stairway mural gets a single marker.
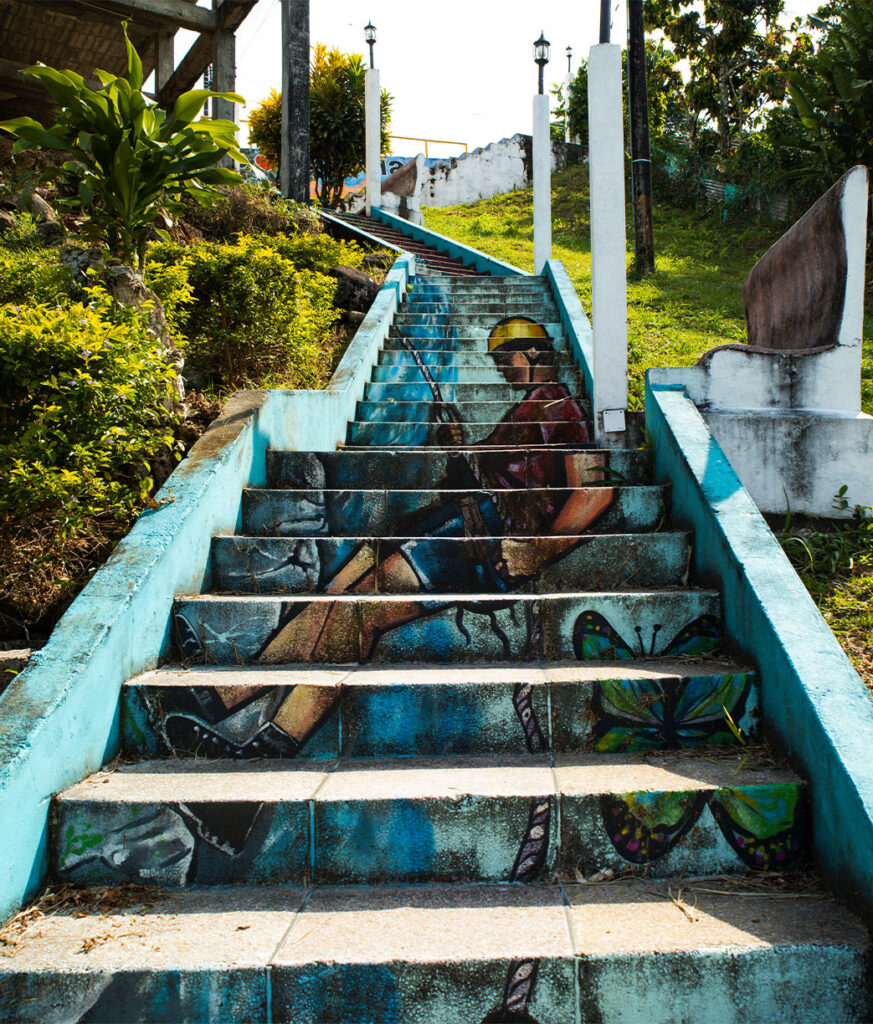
(460, 651)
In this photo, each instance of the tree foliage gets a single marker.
(265, 127)
(830, 110)
(336, 120)
(733, 48)
(667, 110)
(128, 162)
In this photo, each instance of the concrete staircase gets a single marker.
(450, 739)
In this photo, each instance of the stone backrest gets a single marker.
(806, 291)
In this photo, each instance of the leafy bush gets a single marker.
(82, 410)
(257, 317)
(33, 275)
(251, 208)
(318, 252)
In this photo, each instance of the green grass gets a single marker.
(692, 303)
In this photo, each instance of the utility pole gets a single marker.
(605, 20)
(294, 160)
(641, 164)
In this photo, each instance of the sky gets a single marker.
(460, 70)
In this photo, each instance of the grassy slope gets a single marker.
(691, 304)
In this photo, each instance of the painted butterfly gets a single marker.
(662, 714)
(645, 826)
(766, 825)
(594, 637)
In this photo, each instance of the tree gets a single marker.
(667, 109)
(733, 53)
(265, 127)
(830, 110)
(129, 161)
(336, 120)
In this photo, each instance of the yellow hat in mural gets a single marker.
(515, 327)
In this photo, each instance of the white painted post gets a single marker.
(373, 115)
(608, 258)
(567, 81)
(542, 183)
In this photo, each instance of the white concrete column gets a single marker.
(567, 82)
(608, 256)
(542, 183)
(373, 114)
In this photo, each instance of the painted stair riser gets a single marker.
(719, 986)
(523, 375)
(211, 719)
(413, 328)
(533, 313)
(354, 839)
(399, 434)
(308, 565)
(460, 321)
(548, 512)
(450, 344)
(482, 629)
(433, 470)
(469, 412)
(448, 358)
(420, 391)
(453, 954)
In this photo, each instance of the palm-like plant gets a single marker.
(128, 160)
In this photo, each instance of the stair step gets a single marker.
(483, 321)
(453, 391)
(446, 357)
(528, 434)
(428, 470)
(447, 953)
(454, 344)
(532, 311)
(307, 565)
(531, 512)
(237, 630)
(458, 819)
(460, 374)
(376, 711)
(468, 412)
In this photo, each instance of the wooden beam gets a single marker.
(230, 15)
(164, 57)
(178, 13)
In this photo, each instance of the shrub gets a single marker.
(82, 410)
(33, 275)
(251, 208)
(256, 317)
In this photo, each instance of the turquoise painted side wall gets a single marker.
(577, 327)
(470, 257)
(812, 699)
(59, 718)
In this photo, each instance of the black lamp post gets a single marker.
(370, 36)
(569, 52)
(542, 48)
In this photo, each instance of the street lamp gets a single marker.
(569, 52)
(542, 48)
(370, 36)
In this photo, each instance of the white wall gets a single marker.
(503, 166)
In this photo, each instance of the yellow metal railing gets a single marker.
(440, 142)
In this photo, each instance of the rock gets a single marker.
(128, 289)
(355, 290)
(44, 216)
(354, 318)
(12, 662)
(7, 221)
(381, 260)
